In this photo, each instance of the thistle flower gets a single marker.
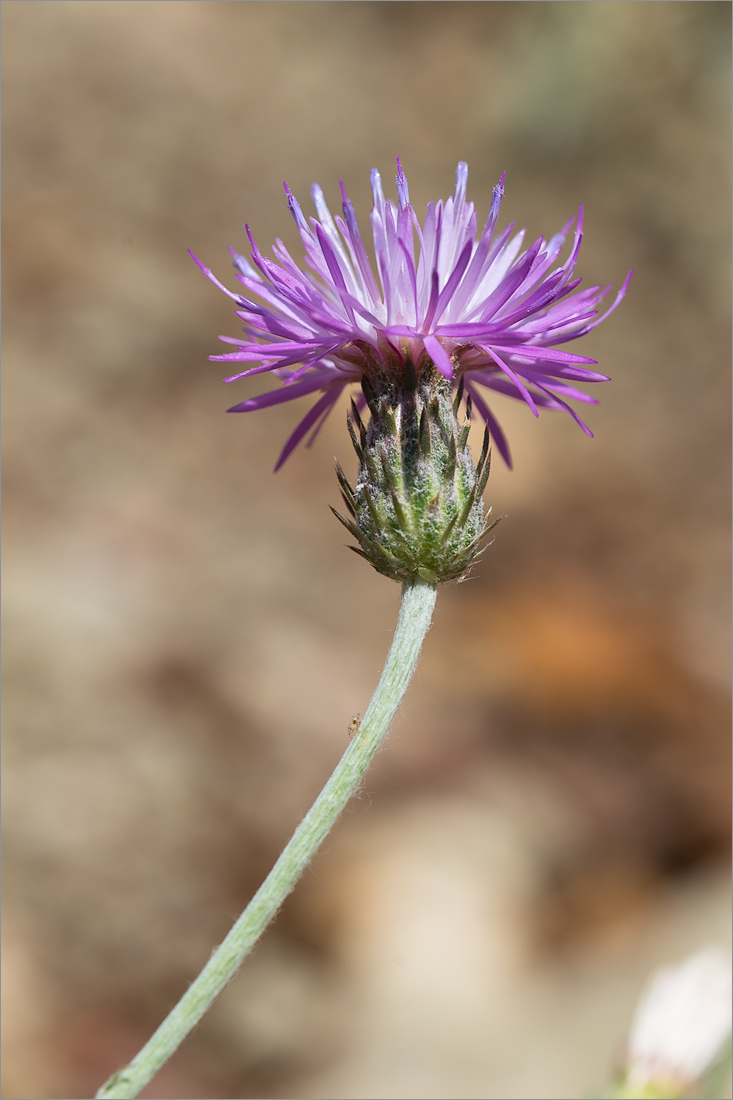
(476, 306)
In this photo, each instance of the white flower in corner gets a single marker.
(682, 1026)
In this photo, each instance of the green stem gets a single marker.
(418, 601)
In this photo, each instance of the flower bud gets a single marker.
(416, 509)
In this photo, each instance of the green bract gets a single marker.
(416, 510)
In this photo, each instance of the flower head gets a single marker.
(681, 1027)
(473, 304)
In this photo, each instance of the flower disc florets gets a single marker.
(476, 305)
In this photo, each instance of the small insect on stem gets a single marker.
(354, 725)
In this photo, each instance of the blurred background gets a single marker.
(187, 639)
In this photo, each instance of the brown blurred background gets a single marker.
(186, 638)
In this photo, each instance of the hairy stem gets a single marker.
(418, 601)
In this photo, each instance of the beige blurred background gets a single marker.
(187, 639)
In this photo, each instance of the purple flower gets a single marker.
(478, 307)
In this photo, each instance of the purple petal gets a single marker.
(544, 399)
(510, 283)
(533, 351)
(403, 191)
(514, 377)
(358, 245)
(461, 182)
(277, 397)
(322, 407)
(262, 369)
(295, 210)
(439, 356)
(453, 281)
(495, 431)
(209, 275)
(433, 303)
(572, 412)
(258, 351)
